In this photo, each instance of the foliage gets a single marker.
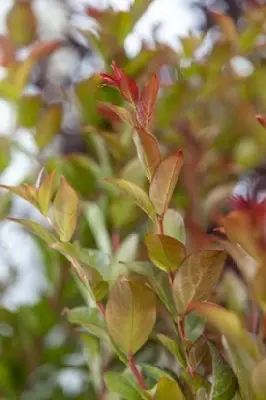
(143, 288)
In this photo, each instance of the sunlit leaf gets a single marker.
(167, 388)
(224, 381)
(164, 251)
(130, 314)
(36, 229)
(196, 277)
(137, 194)
(45, 192)
(22, 191)
(164, 181)
(65, 209)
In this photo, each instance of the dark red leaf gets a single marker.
(146, 104)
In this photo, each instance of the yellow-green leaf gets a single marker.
(196, 277)
(164, 251)
(21, 24)
(168, 389)
(29, 107)
(137, 194)
(26, 192)
(164, 181)
(36, 229)
(48, 125)
(65, 210)
(45, 192)
(130, 315)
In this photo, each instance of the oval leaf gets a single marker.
(65, 210)
(146, 103)
(164, 251)
(164, 181)
(168, 389)
(130, 315)
(196, 277)
(21, 24)
(48, 125)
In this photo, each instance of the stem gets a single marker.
(115, 241)
(137, 373)
(160, 224)
(101, 308)
(171, 278)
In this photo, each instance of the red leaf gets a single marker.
(94, 12)
(115, 113)
(146, 104)
(262, 120)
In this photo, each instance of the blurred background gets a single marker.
(211, 90)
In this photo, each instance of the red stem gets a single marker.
(101, 308)
(137, 373)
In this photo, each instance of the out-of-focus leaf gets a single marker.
(201, 394)
(130, 314)
(5, 205)
(227, 26)
(168, 389)
(164, 251)
(21, 16)
(65, 209)
(98, 227)
(29, 108)
(258, 380)
(121, 112)
(172, 346)
(259, 286)
(173, 225)
(124, 385)
(36, 229)
(155, 372)
(48, 125)
(7, 51)
(196, 277)
(4, 153)
(224, 381)
(146, 103)
(26, 192)
(45, 192)
(147, 150)
(44, 48)
(164, 181)
(137, 194)
(88, 318)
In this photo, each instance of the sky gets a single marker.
(15, 245)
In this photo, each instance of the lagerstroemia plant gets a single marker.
(218, 353)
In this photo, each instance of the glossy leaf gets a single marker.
(164, 251)
(48, 125)
(164, 181)
(146, 103)
(197, 277)
(224, 381)
(168, 389)
(147, 150)
(20, 16)
(137, 194)
(65, 209)
(130, 315)
(45, 192)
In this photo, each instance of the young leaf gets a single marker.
(147, 150)
(137, 194)
(48, 125)
(25, 192)
(65, 210)
(173, 225)
(168, 389)
(258, 380)
(123, 114)
(164, 181)
(224, 381)
(196, 277)
(90, 319)
(130, 315)
(146, 103)
(45, 193)
(165, 252)
(36, 229)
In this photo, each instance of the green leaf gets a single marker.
(164, 181)
(193, 326)
(88, 318)
(130, 315)
(97, 224)
(159, 281)
(155, 372)
(164, 251)
(147, 150)
(28, 111)
(48, 125)
(196, 277)
(123, 385)
(172, 346)
(65, 209)
(173, 225)
(168, 389)
(45, 193)
(5, 205)
(137, 194)
(20, 16)
(224, 381)
(36, 229)
(5, 153)
(258, 380)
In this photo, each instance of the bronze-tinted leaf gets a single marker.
(164, 181)
(130, 314)
(164, 251)
(121, 112)
(146, 103)
(65, 210)
(45, 192)
(197, 277)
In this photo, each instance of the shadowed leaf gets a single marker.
(45, 192)
(168, 389)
